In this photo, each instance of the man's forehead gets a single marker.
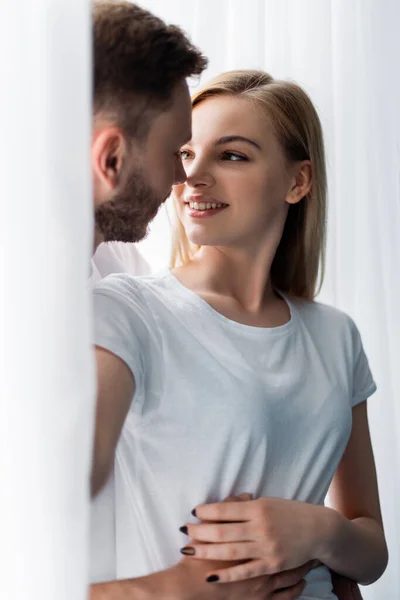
(175, 121)
(183, 128)
(187, 137)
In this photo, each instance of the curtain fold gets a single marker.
(47, 375)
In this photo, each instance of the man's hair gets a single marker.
(138, 60)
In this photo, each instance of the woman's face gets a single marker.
(238, 181)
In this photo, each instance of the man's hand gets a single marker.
(192, 585)
(186, 581)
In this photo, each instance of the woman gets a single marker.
(242, 383)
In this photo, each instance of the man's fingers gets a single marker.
(240, 498)
(291, 593)
(252, 569)
(232, 499)
(288, 578)
(246, 496)
(314, 564)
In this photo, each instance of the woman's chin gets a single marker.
(201, 235)
(203, 240)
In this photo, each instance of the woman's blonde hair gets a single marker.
(298, 266)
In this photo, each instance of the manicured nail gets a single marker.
(194, 512)
(184, 529)
(212, 578)
(188, 551)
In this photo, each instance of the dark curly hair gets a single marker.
(138, 60)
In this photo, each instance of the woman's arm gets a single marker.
(355, 543)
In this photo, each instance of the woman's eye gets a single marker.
(184, 154)
(233, 157)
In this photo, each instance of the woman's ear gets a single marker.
(302, 182)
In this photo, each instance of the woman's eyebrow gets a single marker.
(236, 138)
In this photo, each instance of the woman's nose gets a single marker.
(198, 174)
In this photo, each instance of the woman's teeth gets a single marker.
(205, 205)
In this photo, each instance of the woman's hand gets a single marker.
(272, 534)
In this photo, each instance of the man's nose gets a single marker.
(180, 174)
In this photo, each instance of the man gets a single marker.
(142, 116)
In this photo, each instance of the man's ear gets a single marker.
(108, 154)
(302, 182)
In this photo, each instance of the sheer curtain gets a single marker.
(46, 371)
(345, 53)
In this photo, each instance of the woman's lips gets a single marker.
(203, 213)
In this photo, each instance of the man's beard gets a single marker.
(126, 217)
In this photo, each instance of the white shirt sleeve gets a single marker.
(119, 257)
(121, 322)
(363, 383)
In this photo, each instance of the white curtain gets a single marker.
(46, 371)
(346, 54)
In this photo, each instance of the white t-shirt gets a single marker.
(112, 257)
(117, 257)
(222, 408)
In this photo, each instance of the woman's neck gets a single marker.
(234, 273)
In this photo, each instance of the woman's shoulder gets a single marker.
(319, 314)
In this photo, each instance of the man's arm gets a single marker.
(141, 588)
(186, 581)
(129, 589)
(115, 389)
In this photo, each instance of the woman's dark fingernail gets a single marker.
(194, 512)
(188, 551)
(184, 529)
(212, 578)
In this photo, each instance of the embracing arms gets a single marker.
(187, 579)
